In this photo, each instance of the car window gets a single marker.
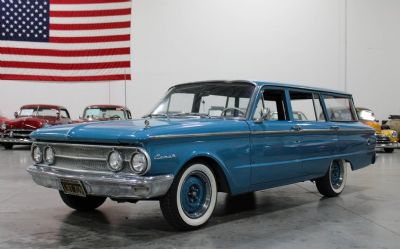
(340, 108)
(43, 112)
(272, 105)
(306, 106)
(26, 112)
(209, 99)
(181, 103)
(64, 113)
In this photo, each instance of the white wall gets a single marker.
(290, 41)
(374, 54)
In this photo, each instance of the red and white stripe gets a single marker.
(89, 41)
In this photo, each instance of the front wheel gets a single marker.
(332, 184)
(191, 200)
(389, 150)
(80, 203)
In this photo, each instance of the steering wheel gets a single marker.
(223, 113)
(115, 117)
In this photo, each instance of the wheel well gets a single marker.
(222, 182)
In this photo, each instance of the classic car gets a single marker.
(28, 119)
(386, 138)
(394, 123)
(203, 138)
(2, 120)
(104, 113)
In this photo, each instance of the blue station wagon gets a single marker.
(203, 138)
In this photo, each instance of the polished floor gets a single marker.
(366, 215)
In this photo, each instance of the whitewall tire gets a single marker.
(334, 181)
(191, 199)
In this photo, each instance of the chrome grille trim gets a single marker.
(88, 157)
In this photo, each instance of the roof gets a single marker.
(45, 106)
(105, 106)
(266, 83)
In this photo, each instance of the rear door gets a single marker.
(318, 137)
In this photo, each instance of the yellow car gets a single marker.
(386, 138)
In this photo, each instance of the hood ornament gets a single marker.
(146, 123)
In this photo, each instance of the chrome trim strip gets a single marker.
(89, 145)
(233, 133)
(81, 158)
(282, 132)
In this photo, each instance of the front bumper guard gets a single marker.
(11, 140)
(387, 145)
(104, 184)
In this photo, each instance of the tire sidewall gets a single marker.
(206, 216)
(344, 167)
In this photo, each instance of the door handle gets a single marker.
(334, 127)
(297, 128)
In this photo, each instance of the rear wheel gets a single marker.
(80, 203)
(332, 184)
(8, 146)
(191, 199)
(389, 150)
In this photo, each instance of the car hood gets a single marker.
(134, 131)
(28, 123)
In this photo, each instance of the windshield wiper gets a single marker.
(191, 114)
(151, 115)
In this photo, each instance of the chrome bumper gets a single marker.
(387, 145)
(10, 140)
(101, 184)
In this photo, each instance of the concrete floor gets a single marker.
(366, 215)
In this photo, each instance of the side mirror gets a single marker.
(265, 113)
(15, 114)
(80, 117)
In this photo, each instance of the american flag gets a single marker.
(65, 40)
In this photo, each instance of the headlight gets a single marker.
(394, 134)
(115, 161)
(3, 126)
(140, 162)
(37, 154)
(49, 155)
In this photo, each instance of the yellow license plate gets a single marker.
(73, 187)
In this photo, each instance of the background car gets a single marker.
(104, 113)
(394, 123)
(386, 138)
(28, 119)
(2, 119)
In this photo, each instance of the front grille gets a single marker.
(382, 139)
(17, 133)
(87, 157)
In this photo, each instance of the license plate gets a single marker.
(73, 187)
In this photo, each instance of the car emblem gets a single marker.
(11, 133)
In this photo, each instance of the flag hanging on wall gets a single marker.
(65, 40)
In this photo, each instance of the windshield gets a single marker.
(103, 113)
(42, 112)
(26, 112)
(206, 99)
(366, 115)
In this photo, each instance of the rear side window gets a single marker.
(340, 108)
(306, 106)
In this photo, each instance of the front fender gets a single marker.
(231, 154)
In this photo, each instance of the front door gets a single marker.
(274, 141)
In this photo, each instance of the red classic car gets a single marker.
(2, 120)
(104, 113)
(28, 119)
